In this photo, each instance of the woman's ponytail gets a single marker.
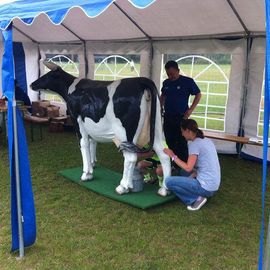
(193, 126)
(199, 134)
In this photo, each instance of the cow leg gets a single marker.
(126, 181)
(166, 166)
(85, 151)
(93, 148)
(87, 167)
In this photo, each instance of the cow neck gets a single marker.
(69, 81)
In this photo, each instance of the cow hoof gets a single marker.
(163, 192)
(86, 177)
(121, 190)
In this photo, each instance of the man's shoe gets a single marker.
(197, 204)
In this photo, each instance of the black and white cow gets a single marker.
(119, 111)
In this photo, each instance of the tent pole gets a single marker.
(86, 67)
(18, 185)
(245, 92)
(151, 56)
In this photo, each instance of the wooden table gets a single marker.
(39, 121)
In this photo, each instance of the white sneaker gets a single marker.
(197, 204)
(163, 192)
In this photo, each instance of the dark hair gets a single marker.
(193, 126)
(171, 64)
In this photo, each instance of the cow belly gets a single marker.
(100, 132)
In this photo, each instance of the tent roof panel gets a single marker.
(185, 18)
(42, 30)
(252, 12)
(122, 19)
(109, 25)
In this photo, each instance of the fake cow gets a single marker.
(126, 112)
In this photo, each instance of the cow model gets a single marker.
(118, 111)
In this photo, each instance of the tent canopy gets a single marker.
(131, 20)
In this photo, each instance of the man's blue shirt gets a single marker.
(177, 93)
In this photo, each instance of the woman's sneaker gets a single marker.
(197, 204)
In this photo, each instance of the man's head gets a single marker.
(172, 70)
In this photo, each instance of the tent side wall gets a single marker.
(152, 67)
(253, 99)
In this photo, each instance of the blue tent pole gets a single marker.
(18, 182)
(262, 263)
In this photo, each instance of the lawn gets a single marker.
(78, 229)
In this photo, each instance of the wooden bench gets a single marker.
(232, 138)
(39, 121)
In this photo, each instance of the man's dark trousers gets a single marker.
(173, 135)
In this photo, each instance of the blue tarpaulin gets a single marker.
(27, 200)
(265, 128)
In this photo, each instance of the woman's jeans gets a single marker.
(186, 189)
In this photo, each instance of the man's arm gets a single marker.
(193, 105)
(162, 101)
(162, 98)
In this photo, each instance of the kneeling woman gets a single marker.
(203, 164)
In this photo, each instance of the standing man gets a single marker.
(175, 94)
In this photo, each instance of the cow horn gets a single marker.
(50, 65)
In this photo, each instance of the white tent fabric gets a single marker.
(164, 27)
(161, 20)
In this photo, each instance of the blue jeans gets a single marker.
(186, 189)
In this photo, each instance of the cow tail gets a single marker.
(130, 147)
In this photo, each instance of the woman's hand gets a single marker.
(168, 152)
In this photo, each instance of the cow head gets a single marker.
(56, 80)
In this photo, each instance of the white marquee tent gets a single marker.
(155, 30)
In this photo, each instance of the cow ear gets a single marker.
(50, 65)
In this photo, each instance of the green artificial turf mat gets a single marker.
(105, 181)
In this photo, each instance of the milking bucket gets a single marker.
(137, 180)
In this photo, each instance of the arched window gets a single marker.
(114, 67)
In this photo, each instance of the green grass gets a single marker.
(78, 229)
